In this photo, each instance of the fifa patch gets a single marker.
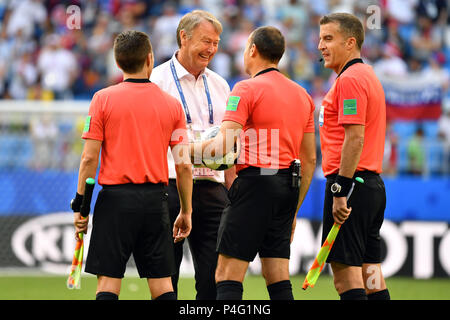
(233, 102)
(87, 124)
(349, 107)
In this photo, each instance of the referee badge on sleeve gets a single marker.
(349, 107)
(87, 124)
(233, 102)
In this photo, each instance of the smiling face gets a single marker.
(199, 48)
(333, 46)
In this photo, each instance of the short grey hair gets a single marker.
(191, 20)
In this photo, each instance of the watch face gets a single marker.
(335, 187)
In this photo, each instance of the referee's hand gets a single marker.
(182, 226)
(80, 223)
(340, 210)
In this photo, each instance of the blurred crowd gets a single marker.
(52, 50)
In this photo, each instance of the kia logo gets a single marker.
(47, 242)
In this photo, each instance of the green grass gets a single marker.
(54, 288)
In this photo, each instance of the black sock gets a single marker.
(171, 295)
(229, 290)
(354, 294)
(281, 290)
(103, 295)
(379, 295)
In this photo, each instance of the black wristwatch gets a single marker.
(341, 186)
(76, 202)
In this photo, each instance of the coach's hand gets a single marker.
(340, 210)
(182, 226)
(80, 223)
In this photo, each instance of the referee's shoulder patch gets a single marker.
(87, 124)
(233, 102)
(350, 107)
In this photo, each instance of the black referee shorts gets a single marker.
(131, 219)
(259, 217)
(358, 240)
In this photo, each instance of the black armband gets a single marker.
(76, 202)
(341, 187)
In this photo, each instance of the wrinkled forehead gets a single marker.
(206, 29)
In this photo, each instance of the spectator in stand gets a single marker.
(402, 11)
(113, 73)
(128, 19)
(237, 44)
(341, 5)
(426, 38)
(100, 41)
(58, 67)
(415, 66)
(394, 39)
(254, 11)
(99, 45)
(24, 75)
(436, 70)
(163, 33)
(12, 48)
(188, 7)
(390, 64)
(390, 151)
(416, 153)
(26, 15)
(295, 16)
(436, 10)
(301, 62)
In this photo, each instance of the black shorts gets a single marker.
(358, 240)
(259, 217)
(131, 219)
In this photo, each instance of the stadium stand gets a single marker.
(41, 58)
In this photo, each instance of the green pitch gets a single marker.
(54, 288)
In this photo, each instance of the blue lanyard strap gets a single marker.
(183, 99)
(208, 97)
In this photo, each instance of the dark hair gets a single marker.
(270, 43)
(349, 25)
(131, 49)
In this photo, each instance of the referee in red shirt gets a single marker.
(352, 122)
(276, 118)
(133, 123)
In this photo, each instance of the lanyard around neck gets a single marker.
(183, 99)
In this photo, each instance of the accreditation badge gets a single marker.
(201, 171)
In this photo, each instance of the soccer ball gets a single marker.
(225, 162)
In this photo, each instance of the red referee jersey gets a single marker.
(356, 97)
(275, 112)
(136, 122)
